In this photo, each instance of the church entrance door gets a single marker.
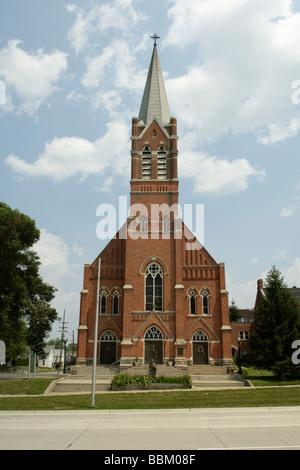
(108, 348)
(200, 348)
(153, 350)
(153, 342)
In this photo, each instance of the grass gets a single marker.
(266, 378)
(247, 397)
(25, 386)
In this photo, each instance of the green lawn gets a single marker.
(25, 386)
(276, 396)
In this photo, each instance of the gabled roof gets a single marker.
(155, 103)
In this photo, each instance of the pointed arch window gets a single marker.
(153, 333)
(103, 303)
(146, 163)
(115, 303)
(154, 287)
(205, 303)
(161, 163)
(108, 335)
(200, 336)
(193, 310)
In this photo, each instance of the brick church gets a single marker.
(161, 294)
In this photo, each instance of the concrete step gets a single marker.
(67, 387)
(87, 372)
(217, 381)
(206, 369)
(217, 385)
(161, 369)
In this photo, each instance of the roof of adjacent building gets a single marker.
(155, 103)
(295, 291)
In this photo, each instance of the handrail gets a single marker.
(116, 362)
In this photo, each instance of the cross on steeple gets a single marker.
(155, 37)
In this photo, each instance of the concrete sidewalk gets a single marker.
(183, 429)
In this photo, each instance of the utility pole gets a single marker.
(62, 329)
(73, 349)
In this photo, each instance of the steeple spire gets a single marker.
(155, 103)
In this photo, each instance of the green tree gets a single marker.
(234, 313)
(276, 327)
(25, 312)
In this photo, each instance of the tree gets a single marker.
(25, 312)
(234, 313)
(276, 327)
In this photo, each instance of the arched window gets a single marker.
(161, 163)
(192, 303)
(154, 287)
(103, 303)
(153, 333)
(108, 335)
(205, 303)
(146, 163)
(200, 336)
(115, 303)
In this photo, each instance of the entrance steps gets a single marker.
(203, 376)
(206, 369)
(212, 377)
(161, 369)
(217, 381)
(81, 381)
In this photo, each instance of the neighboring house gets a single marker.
(243, 328)
(52, 357)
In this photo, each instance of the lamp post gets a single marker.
(95, 338)
(239, 361)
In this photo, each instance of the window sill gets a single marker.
(201, 315)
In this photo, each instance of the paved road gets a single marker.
(229, 428)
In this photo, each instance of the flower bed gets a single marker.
(125, 382)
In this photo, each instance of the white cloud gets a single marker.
(215, 175)
(30, 77)
(280, 254)
(244, 294)
(118, 62)
(288, 211)
(70, 7)
(54, 257)
(279, 134)
(247, 59)
(74, 156)
(291, 209)
(120, 15)
(292, 274)
(58, 270)
(77, 250)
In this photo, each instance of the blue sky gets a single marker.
(74, 75)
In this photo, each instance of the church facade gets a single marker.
(161, 294)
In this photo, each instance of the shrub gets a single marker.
(146, 380)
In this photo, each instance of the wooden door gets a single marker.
(153, 350)
(200, 352)
(108, 352)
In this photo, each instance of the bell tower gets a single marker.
(154, 176)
